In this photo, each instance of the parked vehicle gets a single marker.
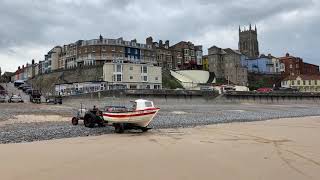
(18, 83)
(2, 98)
(138, 116)
(35, 96)
(28, 91)
(26, 88)
(15, 99)
(264, 90)
(23, 85)
(3, 92)
(54, 100)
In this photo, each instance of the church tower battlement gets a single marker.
(248, 42)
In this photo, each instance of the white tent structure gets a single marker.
(192, 79)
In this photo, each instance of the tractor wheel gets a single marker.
(144, 129)
(75, 121)
(89, 122)
(119, 128)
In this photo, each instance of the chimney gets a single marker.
(287, 55)
(167, 43)
(149, 41)
(19, 68)
(134, 41)
(160, 43)
(32, 61)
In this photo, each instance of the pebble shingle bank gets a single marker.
(170, 116)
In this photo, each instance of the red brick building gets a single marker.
(295, 66)
(310, 69)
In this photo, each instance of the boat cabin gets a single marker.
(142, 104)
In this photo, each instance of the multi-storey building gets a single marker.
(62, 58)
(163, 53)
(215, 61)
(278, 67)
(132, 76)
(51, 60)
(41, 67)
(186, 55)
(100, 51)
(70, 56)
(199, 54)
(304, 83)
(310, 68)
(226, 64)
(295, 66)
(264, 65)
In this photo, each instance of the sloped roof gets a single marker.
(303, 77)
(228, 50)
(218, 50)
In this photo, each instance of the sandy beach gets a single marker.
(275, 149)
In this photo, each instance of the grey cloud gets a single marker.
(38, 23)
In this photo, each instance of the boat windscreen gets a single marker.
(148, 104)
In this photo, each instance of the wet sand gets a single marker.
(275, 149)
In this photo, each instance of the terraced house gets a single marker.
(163, 53)
(100, 51)
(97, 52)
(186, 55)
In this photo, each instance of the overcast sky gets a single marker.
(30, 28)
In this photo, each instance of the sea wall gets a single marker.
(271, 98)
(46, 82)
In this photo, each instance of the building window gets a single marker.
(292, 83)
(148, 87)
(156, 86)
(186, 51)
(131, 68)
(131, 77)
(157, 78)
(144, 69)
(133, 86)
(128, 50)
(192, 52)
(145, 78)
(309, 82)
(118, 68)
(316, 82)
(119, 78)
(304, 82)
(299, 82)
(290, 66)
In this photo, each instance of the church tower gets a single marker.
(248, 42)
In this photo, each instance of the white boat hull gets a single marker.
(137, 118)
